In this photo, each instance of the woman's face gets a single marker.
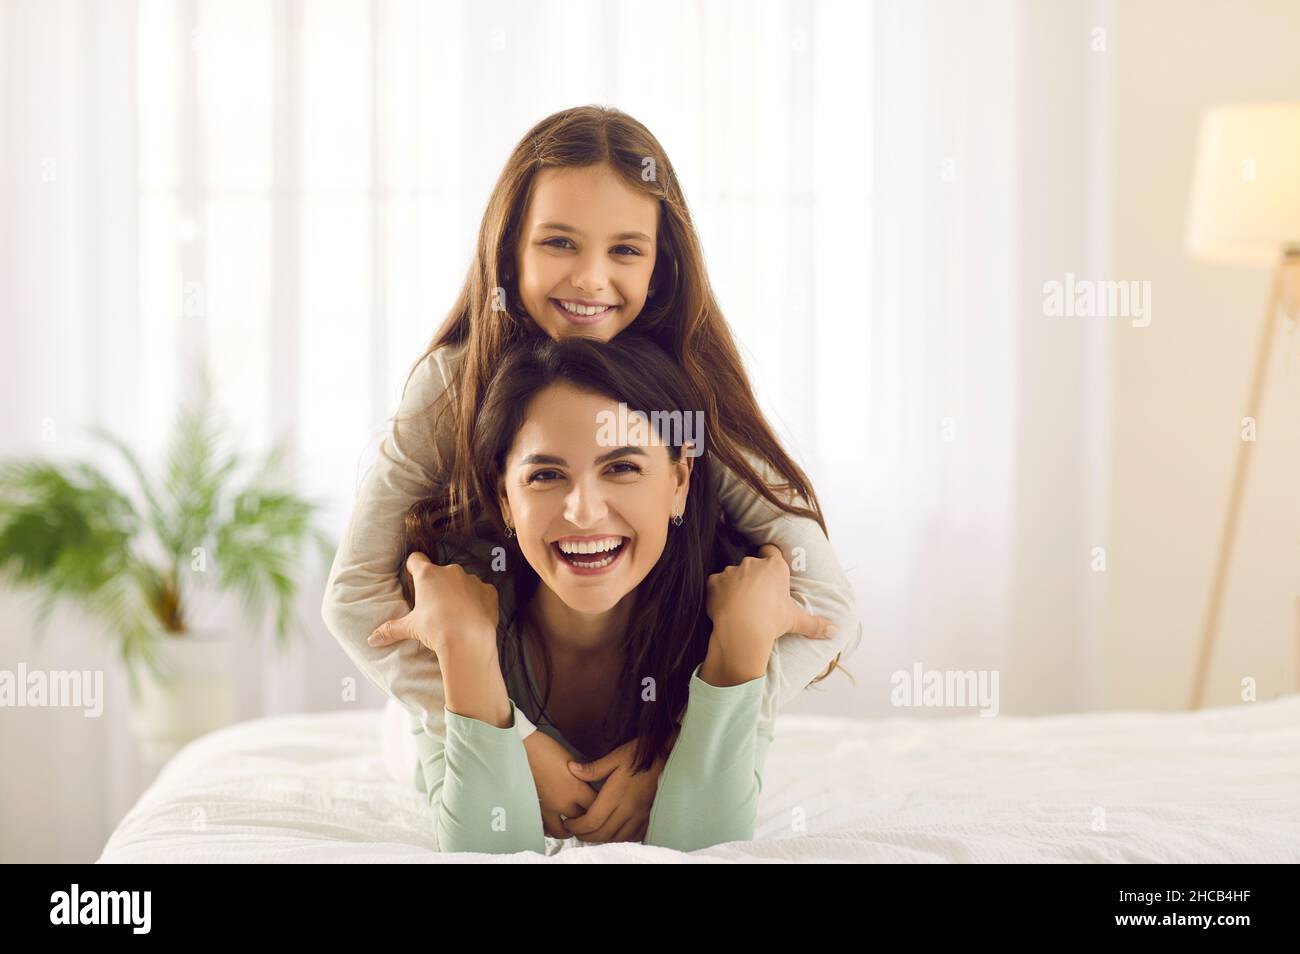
(587, 239)
(561, 485)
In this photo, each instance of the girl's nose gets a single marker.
(589, 275)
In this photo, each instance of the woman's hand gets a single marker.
(621, 810)
(558, 792)
(751, 608)
(452, 607)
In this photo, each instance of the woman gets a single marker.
(620, 610)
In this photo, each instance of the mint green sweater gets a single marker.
(480, 786)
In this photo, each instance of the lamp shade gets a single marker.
(1245, 200)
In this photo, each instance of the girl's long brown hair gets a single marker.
(669, 628)
(683, 317)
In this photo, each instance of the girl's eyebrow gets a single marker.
(550, 459)
(560, 227)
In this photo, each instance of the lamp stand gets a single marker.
(1287, 272)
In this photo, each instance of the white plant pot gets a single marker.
(195, 697)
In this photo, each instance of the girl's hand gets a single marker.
(621, 810)
(751, 602)
(452, 608)
(558, 792)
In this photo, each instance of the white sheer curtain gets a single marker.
(292, 189)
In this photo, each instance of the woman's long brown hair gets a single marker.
(683, 317)
(669, 628)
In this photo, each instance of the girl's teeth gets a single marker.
(582, 309)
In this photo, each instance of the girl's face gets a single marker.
(588, 239)
(561, 486)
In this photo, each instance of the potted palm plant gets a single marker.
(137, 559)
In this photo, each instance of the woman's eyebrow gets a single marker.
(610, 455)
(560, 227)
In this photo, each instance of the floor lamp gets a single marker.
(1245, 210)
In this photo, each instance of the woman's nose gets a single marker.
(585, 505)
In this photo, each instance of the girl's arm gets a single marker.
(816, 582)
(363, 589)
(708, 792)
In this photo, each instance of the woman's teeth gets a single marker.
(594, 566)
(594, 554)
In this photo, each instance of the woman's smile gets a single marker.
(601, 559)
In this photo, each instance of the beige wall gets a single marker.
(1180, 384)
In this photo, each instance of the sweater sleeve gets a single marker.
(363, 589)
(817, 583)
(708, 791)
(480, 787)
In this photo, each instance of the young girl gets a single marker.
(586, 232)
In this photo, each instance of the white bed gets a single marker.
(1220, 785)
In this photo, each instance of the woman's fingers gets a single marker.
(628, 830)
(814, 627)
(393, 631)
(552, 825)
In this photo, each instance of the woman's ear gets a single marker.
(504, 500)
(682, 470)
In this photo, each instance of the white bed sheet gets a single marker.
(1219, 785)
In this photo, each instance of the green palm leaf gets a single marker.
(68, 532)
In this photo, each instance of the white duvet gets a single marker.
(1220, 785)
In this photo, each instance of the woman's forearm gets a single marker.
(478, 782)
(473, 683)
(731, 659)
(708, 793)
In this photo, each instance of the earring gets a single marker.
(510, 531)
(651, 292)
(677, 520)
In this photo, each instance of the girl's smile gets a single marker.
(586, 251)
(582, 314)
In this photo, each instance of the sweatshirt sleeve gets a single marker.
(480, 787)
(708, 791)
(817, 583)
(363, 589)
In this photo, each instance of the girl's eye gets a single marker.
(630, 249)
(539, 475)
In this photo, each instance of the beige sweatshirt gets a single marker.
(363, 589)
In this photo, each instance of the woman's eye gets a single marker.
(541, 474)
